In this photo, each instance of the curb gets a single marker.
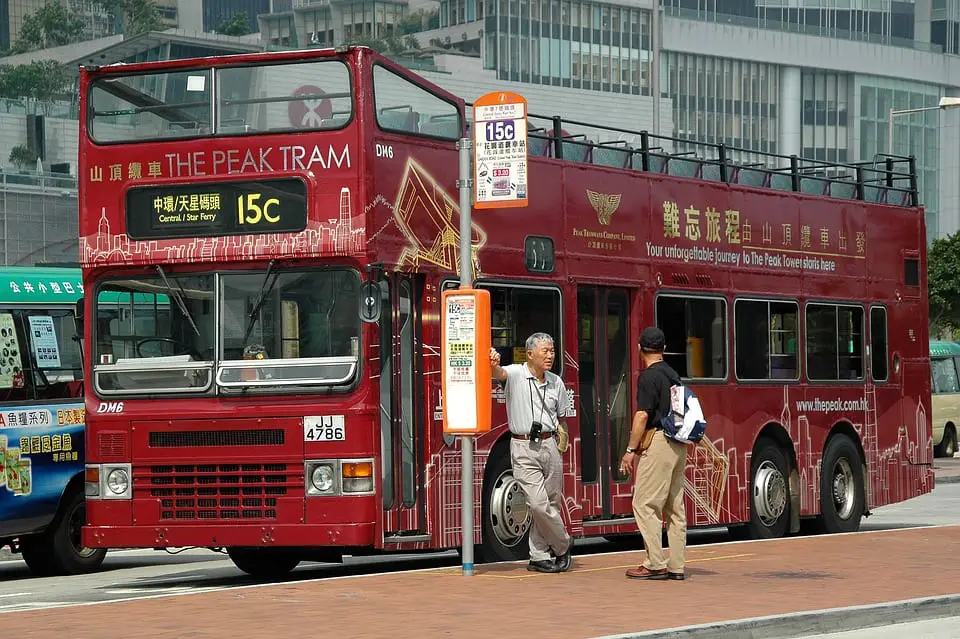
(803, 624)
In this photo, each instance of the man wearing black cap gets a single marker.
(658, 484)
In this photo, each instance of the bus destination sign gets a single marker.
(208, 210)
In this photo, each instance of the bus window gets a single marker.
(696, 329)
(878, 343)
(257, 98)
(765, 339)
(405, 107)
(151, 337)
(944, 375)
(54, 353)
(39, 359)
(834, 342)
(11, 364)
(517, 312)
(304, 324)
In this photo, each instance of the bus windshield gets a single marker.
(256, 330)
(235, 100)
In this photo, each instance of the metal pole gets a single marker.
(890, 133)
(465, 183)
(655, 65)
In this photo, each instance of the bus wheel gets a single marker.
(57, 550)
(841, 486)
(506, 517)
(263, 562)
(948, 445)
(769, 492)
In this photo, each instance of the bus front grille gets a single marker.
(217, 492)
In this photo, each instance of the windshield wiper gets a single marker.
(261, 298)
(178, 298)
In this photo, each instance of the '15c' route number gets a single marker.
(500, 131)
(250, 212)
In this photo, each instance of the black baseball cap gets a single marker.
(652, 339)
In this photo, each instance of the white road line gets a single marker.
(35, 605)
(16, 594)
(211, 589)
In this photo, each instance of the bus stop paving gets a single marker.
(725, 581)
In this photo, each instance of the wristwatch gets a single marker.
(631, 450)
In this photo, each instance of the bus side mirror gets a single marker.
(369, 301)
(78, 318)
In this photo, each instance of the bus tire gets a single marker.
(267, 563)
(57, 550)
(769, 491)
(504, 513)
(37, 556)
(841, 486)
(948, 444)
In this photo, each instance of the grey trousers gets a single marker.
(539, 471)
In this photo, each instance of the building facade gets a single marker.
(815, 78)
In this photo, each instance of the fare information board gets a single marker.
(212, 209)
(500, 150)
(465, 342)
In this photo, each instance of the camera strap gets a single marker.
(542, 396)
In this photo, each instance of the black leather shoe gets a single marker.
(565, 561)
(544, 565)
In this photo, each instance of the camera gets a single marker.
(535, 429)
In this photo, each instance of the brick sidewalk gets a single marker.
(730, 581)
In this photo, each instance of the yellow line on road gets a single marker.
(529, 575)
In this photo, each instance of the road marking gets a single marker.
(16, 594)
(530, 575)
(35, 605)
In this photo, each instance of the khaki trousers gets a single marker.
(539, 471)
(658, 498)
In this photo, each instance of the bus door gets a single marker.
(604, 352)
(402, 424)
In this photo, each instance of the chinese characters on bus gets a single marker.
(18, 449)
(728, 237)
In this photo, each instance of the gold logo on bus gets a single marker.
(604, 204)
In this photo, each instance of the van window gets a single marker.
(944, 375)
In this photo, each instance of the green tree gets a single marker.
(52, 25)
(133, 17)
(43, 80)
(238, 25)
(21, 156)
(943, 283)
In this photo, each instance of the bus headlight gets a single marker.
(322, 477)
(118, 481)
(108, 481)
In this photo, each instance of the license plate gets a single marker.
(324, 428)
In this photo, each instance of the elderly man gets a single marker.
(536, 404)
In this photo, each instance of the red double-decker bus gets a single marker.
(265, 239)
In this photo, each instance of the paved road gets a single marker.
(945, 628)
(142, 574)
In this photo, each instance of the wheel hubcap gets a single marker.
(843, 488)
(769, 493)
(509, 513)
(75, 525)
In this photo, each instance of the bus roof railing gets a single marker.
(885, 179)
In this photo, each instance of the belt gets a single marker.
(546, 434)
